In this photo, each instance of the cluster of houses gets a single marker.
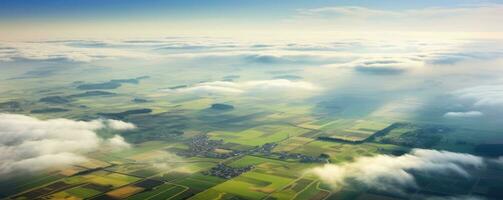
(227, 172)
(204, 147)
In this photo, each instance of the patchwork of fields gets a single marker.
(210, 146)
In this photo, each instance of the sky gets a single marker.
(114, 18)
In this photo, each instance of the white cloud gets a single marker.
(279, 84)
(120, 125)
(31, 144)
(474, 18)
(390, 173)
(364, 12)
(165, 161)
(485, 95)
(42, 162)
(468, 114)
(220, 87)
(247, 87)
(118, 142)
(347, 11)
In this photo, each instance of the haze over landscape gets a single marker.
(251, 99)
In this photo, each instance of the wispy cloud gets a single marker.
(476, 18)
(277, 86)
(468, 114)
(484, 95)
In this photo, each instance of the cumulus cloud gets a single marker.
(118, 142)
(119, 125)
(256, 86)
(485, 95)
(391, 173)
(468, 114)
(32, 144)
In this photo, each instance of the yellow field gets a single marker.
(106, 178)
(124, 192)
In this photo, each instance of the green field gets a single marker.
(78, 192)
(338, 151)
(106, 178)
(211, 194)
(20, 184)
(253, 185)
(161, 192)
(252, 160)
(259, 135)
(292, 143)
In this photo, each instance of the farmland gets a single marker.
(192, 122)
(157, 167)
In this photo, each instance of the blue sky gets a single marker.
(78, 9)
(113, 17)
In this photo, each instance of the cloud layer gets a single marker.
(30, 144)
(72, 51)
(390, 173)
